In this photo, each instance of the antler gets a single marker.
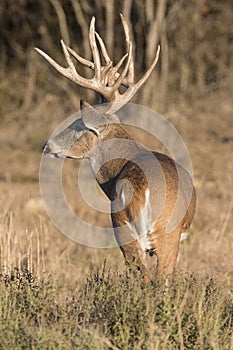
(107, 80)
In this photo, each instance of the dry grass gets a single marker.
(108, 311)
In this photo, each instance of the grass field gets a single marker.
(56, 294)
(108, 311)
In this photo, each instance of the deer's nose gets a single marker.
(47, 148)
(50, 149)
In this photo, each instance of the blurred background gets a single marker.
(191, 86)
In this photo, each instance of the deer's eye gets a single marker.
(95, 131)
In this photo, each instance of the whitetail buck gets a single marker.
(145, 188)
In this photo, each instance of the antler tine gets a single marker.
(69, 71)
(125, 70)
(149, 71)
(114, 73)
(103, 49)
(119, 64)
(51, 61)
(67, 57)
(130, 76)
(123, 99)
(94, 49)
(80, 59)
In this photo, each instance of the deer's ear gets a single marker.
(95, 117)
(84, 104)
(90, 116)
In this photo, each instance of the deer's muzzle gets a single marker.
(51, 149)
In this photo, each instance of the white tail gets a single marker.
(145, 191)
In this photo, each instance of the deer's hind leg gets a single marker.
(167, 248)
(135, 260)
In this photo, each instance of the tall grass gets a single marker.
(110, 311)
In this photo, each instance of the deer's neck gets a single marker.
(111, 154)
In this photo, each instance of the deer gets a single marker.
(145, 188)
